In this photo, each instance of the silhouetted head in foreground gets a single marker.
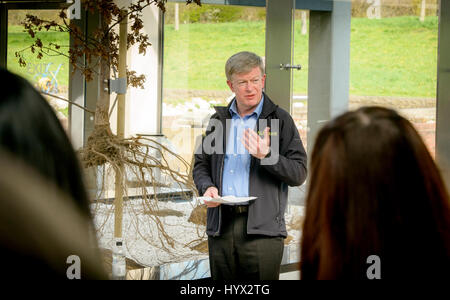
(43, 234)
(374, 190)
(45, 221)
(30, 129)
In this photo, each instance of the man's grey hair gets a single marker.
(243, 62)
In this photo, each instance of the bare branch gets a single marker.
(67, 100)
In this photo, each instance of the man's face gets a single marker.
(248, 89)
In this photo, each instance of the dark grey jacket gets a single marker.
(267, 182)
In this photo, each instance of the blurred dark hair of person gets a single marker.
(43, 234)
(32, 134)
(374, 189)
(30, 129)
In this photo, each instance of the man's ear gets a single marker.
(230, 85)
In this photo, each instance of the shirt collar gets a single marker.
(257, 111)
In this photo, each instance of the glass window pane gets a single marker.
(50, 74)
(394, 60)
(195, 52)
(300, 81)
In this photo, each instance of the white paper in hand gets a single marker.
(227, 199)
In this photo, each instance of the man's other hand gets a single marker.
(213, 193)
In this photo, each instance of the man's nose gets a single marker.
(249, 85)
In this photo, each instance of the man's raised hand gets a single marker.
(255, 145)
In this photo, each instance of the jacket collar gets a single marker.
(268, 107)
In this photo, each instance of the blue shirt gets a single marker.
(236, 169)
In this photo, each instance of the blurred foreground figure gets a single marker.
(43, 234)
(376, 205)
(36, 142)
(31, 131)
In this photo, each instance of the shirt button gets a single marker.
(230, 189)
(231, 171)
